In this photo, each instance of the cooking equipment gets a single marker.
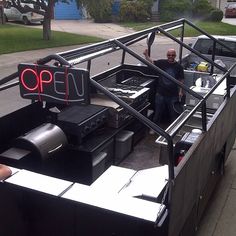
(132, 94)
(44, 140)
(143, 82)
(138, 81)
(79, 121)
(135, 96)
(117, 114)
(214, 100)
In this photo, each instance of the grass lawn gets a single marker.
(14, 38)
(214, 28)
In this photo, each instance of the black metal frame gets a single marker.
(87, 53)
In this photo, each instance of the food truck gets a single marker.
(82, 160)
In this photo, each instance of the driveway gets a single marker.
(88, 27)
(231, 21)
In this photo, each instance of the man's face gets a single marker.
(171, 55)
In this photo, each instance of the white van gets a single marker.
(13, 14)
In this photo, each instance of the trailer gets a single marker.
(81, 157)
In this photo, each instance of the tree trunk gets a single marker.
(47, 32)
(47, 28)
(2, 18)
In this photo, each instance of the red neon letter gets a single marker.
(23, 79)
(44, 81)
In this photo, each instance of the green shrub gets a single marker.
(201, 9)
(172, 9)
(135, 10)
(216, 15)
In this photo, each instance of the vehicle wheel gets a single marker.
(25, 20)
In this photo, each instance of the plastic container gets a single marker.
(123, 145)
(203, 66)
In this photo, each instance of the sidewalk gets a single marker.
(231, 21)
(88, 27)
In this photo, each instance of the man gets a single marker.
(4, 172)
(167, 92)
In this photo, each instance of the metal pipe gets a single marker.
(128, 39)
(192, 50)
(89, 65)
(181, 47)
(56, 57)
(9, 78)
(204, 115)
(174, 131)
(158, 70)
(10, 85)
(213, 56)
(208, 35)
(220, 81)
(123, 57)
(142, 119)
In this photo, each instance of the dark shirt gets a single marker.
(166, 87)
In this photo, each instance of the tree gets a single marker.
(202, 9)
(41, 7)
(99, 10)
(137, 10)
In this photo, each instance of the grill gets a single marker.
(135, 96)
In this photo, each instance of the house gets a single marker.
(155, 10)
(219, 4)
(67, 11)
(70, 11)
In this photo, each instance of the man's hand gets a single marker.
(4, 172)
(145, 53)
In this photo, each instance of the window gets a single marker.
(205, 46)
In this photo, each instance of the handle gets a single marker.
(55, 149)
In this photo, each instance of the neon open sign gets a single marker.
(54, 84)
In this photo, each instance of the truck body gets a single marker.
(223, 55)
(11, 13)
(83, 162)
